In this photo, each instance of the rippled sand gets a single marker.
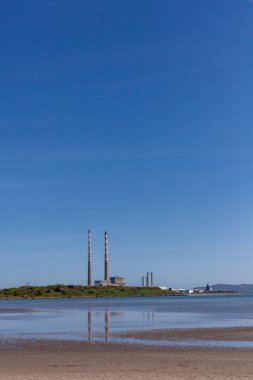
(53, 360)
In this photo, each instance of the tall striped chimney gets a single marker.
(106, 278)
(89, 259)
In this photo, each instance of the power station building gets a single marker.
(108, 281)
(117, 280)
(149, 279)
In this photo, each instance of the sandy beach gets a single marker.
(53, 360)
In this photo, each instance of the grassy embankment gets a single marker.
(69, 291)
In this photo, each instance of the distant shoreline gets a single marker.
(90, 297)
(221, 293)
(60, 291)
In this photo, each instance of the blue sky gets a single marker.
(130, 116)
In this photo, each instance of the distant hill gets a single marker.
(242, 288)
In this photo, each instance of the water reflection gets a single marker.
(103, 319)
(107, 326)
(148, 319)
(89, 327)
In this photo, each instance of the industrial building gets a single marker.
(112, 281)
(149, 280)
(117, 280)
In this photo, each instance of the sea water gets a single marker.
(100, 319)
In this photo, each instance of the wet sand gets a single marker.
(218, 334)
(55, 360)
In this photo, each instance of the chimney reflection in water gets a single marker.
(106, 326)
(89, 327)
(107, 320)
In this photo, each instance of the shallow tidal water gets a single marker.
(99, 320)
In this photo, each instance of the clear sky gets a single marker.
(133, 116)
